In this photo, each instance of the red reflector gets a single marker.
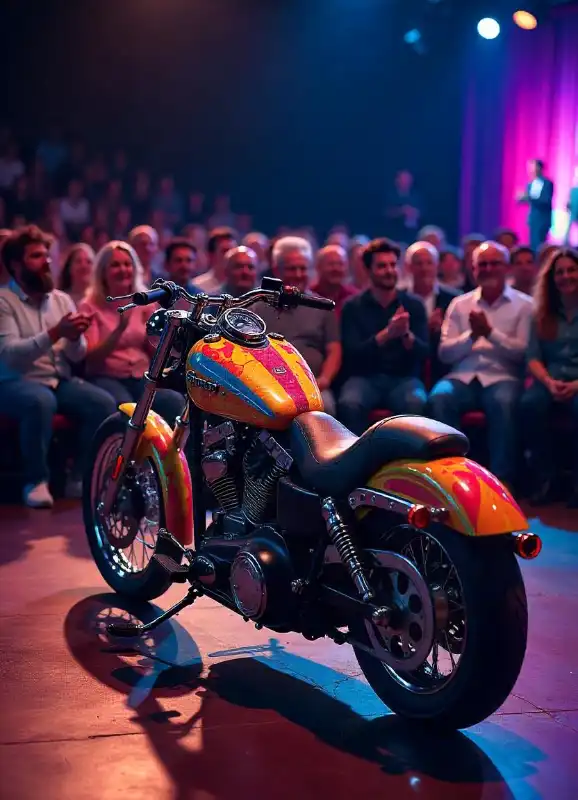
(527, 545)
(117, 467)
(419, 517)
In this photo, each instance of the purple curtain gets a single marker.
(521, 103)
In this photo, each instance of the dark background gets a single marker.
(302, 109)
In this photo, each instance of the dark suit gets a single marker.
(573, 211)
(444, 297)
(540, 214)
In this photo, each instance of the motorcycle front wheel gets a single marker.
(454, 654)
(124, 542)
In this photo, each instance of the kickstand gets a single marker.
(130, 629)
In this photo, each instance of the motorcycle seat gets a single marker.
(334, 461)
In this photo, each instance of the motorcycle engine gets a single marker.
(261, 577)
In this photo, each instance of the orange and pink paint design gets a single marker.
(478, 504)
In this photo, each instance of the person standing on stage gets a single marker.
(572, 207)
(538, 195)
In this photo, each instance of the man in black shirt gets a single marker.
(384, 335)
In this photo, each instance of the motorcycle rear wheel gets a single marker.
(138, 514)
(486, 642)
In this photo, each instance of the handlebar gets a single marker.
(272, 291)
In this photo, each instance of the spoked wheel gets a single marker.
(454, 646)
(124, 541)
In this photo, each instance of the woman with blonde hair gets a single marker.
(76, 273)
(553, 364)
(118, 350)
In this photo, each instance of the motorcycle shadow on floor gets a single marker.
(247, 704)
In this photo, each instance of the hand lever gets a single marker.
(110, 299)
(122, 309)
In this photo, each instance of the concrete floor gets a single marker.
(208, 707)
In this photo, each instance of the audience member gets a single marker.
(359, 275)
(222, 216)
(423, 262)
(507, 237)
(331, 265)
(523, 269)
(433, 235)
(259, 243)
(4, 275)
(11, 167)
(40, 334)
(384, 333)
(470, 243)
(141, 201)
(240, 271)
(169, 202)
(145, 242)
(404, 208)
(74, 209)
(553, 364)
(180, 263)
(76, 273)
(484, 340)
(220, 241)
(313, 332)
(451, 270)
(196, 209)
(118, 350)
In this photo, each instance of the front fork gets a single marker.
(137, 423)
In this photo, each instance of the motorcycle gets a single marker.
(393, 542)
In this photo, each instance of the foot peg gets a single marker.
(124, 629)
(178, 573)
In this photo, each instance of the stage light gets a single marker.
(412, 37)
(488, 28)
(525, 20)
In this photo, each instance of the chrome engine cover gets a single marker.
(249, 585)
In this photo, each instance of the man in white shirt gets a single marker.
(40, 334)
(220, 241)
(484, 338)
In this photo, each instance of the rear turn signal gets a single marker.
(527, 545)
(419, 517)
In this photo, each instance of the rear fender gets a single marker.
(156, 443)
(478, 504)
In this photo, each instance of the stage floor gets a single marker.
(209, 707)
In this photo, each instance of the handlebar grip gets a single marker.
(322, 303)
(161, 295)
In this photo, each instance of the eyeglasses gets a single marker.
(494, 263)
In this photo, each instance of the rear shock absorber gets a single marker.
(342, 539)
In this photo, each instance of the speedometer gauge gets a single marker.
(243, 326)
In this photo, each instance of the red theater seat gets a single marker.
(473, 419)
(378, 414)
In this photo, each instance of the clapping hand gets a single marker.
(73, 325)
(479, 324)
(562, 391)
(435, 320)
(399, 324)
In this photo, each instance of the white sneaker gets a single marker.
(74, 488)
(38, 495)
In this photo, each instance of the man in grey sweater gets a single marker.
(40, 334)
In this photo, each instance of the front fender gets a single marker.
(156, 443)
(478, 504)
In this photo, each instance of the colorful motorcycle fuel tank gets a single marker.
(266, 385)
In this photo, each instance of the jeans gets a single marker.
(360, 395)
(34, 405)
(449, 399)
(536, 408)
(538, 235)
(167, 402)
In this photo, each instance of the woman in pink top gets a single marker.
(118, 351)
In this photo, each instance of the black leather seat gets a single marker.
(334, 461)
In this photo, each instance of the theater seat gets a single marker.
(379, 413)
(473, 419)
(59, 423)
